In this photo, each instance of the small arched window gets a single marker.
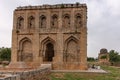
(42, 21)
(66, 20)
(20, 22)
(78, 20)
(31, 22)
(54, 22)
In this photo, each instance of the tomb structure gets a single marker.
(103, 56)
(50, 34)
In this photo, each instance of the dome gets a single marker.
(103, 51)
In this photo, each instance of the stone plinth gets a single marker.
(18, 65)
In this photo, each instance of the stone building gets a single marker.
(103, 56)
(50, 34)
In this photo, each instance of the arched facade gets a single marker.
(48, 49)
(71, 49)
(66, 20)
(51, 34)
(49, 52)
(78, 20)
(54, 21)
(20, 22)
(42, 21)
(25, 53)
(31, 22)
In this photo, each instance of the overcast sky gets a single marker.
(103, 22)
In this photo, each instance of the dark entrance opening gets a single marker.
(49, 53)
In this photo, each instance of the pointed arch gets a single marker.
(25, 47)
(66, 20)
(54, 21)
(78, 20)
(48, 49)
(71, 38)
(23, 40)
(20, 22)
(47, 40)
(43, 21)
(49, 52)
(31, 22)
(71, 49)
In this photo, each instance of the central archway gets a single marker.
(49, 52)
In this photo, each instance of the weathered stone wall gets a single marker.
(103, 57)
(64, 26)
(36, 74)
(9, 77)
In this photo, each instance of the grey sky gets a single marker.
(103, 22)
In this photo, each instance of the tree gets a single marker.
(5, 54)
(103, 57)
(114, 56)
(91, 59)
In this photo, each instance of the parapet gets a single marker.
(47, 6)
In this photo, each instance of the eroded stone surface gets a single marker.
(53, 34)
(103, 57)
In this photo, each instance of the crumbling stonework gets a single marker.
(103, 56)
(54, 34)
(34, 74)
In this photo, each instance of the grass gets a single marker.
(114, 74)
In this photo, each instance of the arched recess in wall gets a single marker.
(78, 20)
(66, 20)
(31, 22)
(20, 22)
(48, 49)
(25, 50)
(71, 50)
(43, 21)
(54, 21)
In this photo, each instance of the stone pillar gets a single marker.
(48, 20)
(26, 22)
(40, 50)
(37, 22)
(60, 20)
(14, 46)
(58, 59)
(36, 49)
(14, 40)
(72, 20)
(83, 49)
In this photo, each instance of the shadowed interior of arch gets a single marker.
(49, 52)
